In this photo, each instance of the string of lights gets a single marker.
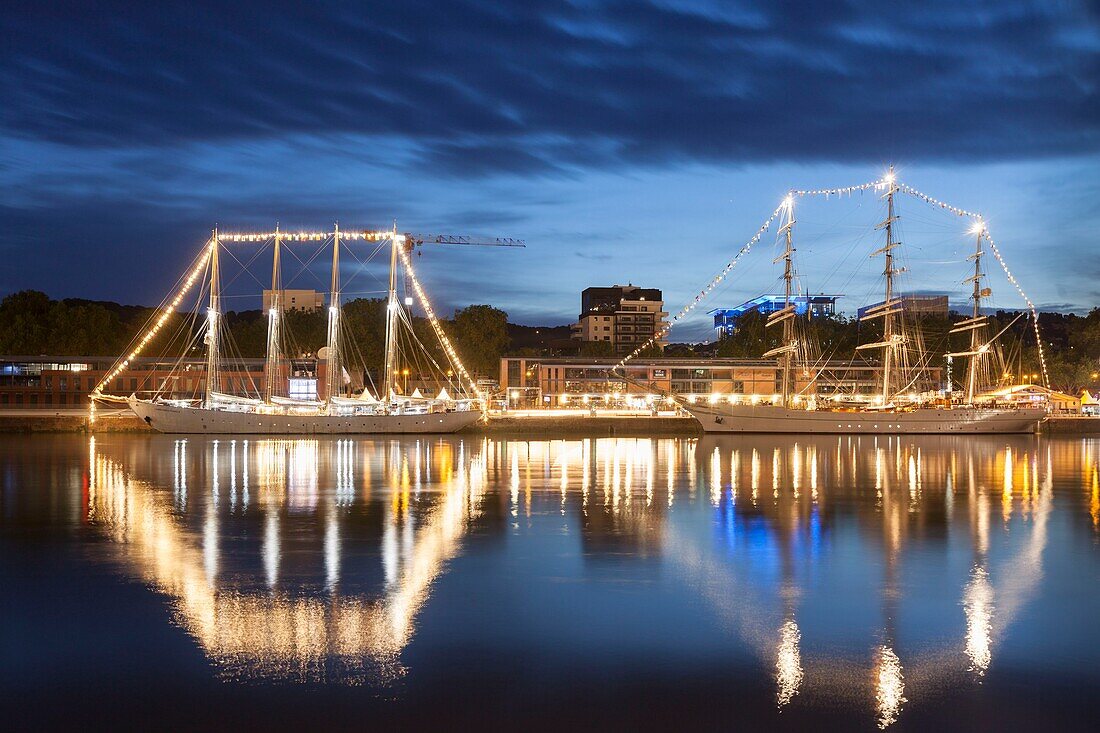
(980, 225)
(936, 202)
(369, 235)
(1030, 305)
(745, 249)
(827, 192)
(192, 276)
(439, 332)
(878, 184)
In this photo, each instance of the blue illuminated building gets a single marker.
(725, 319)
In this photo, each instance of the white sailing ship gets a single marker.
(269, 412)
(892, 411)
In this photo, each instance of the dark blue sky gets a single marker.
(639, 142)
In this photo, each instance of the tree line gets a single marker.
(33, 324)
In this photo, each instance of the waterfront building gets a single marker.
(574, 381)
(65, 382)
(624, 316)
(725, 319)
(921, 306)
(295, 300)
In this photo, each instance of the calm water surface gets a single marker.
(854, 583)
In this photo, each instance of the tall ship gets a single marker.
(896, 409)
(265, 406)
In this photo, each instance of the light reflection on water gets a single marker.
(745, 525)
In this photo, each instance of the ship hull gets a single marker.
(192, 420)
(772, 419)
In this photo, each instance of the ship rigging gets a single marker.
(455, 402)
(894, 409)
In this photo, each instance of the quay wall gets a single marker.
(544, 426)
(1071, 425)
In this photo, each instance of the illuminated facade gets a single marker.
(725, 319)
(565, 382)
(66, 382)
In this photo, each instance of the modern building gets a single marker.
(295, 300)
(570, 381)
(625, 316)
(921, 306)
(725, 319)
(65, 382)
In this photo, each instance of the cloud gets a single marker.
(479, 88)
(129, 130)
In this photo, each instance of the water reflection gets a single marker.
(276, 631)
(748, 524)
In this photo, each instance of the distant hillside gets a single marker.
(538, 337)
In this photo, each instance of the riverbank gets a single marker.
(76, 421)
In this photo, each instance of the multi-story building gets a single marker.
(573, 380)
(725, 319)
(624, 316)
(295, 300)
(916, 305)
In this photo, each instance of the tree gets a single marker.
(596, 348)
(480, 333)
(24, 323)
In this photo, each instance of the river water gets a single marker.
(745, 582)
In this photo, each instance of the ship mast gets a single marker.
(334, 367)
(888, 272)
(788, 323)
(976, 323)
(975, 333)
(890, 307)
(212, 323)
(391, 320)
(787, 313)
(271, 366)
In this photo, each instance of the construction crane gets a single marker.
(415, 240)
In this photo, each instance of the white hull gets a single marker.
(176, 419)
(771, 419)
